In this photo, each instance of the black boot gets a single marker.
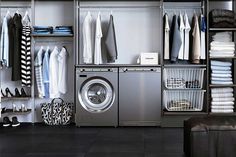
(17, 93)
(23, 94)
(15, 122)
(3, 95)
(8, 93)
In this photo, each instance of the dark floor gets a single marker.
(46, 141)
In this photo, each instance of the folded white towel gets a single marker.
(222, 48)
(222, 52)
(213, 67)
(222, 39)
(222, 110)
(219, 43)
(222, 107)
(221, 79)
(222, 34)
(222, 90)
(222, 55)
(222, 82)
(222, 99)
(221, 72)
(221, 75)
(222, 103)
(220, 63)
(222, 95)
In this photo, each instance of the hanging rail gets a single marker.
(117, 7)
(19, 7)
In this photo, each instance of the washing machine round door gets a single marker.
(96, 95)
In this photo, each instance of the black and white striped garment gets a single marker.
(26, 56)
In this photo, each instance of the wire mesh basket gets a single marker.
(179, 100)
(184, 78)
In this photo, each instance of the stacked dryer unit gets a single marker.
(96, 96)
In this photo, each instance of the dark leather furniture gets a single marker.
(210, 136)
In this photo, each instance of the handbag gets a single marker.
(57, 112)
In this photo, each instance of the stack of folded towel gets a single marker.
(63, 30)
(222, 18)
(222, 45)
(221, 72)
(222, 100)
(43, 29)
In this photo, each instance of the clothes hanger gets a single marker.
(8, 12)
(26, 16)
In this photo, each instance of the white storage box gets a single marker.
(149, 58)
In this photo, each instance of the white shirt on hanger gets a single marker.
(167, 37)
(87, 39)
(54, 73)
(98, 37)
(62, 79)
(187, 29)
(181, 29)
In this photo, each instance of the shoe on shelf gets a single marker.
(8, 93)
(17, 93)
(15, 122)
(23, 93)
(6, 122)
(3, 110)
(2, 94)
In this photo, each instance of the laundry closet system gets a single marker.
(127, 66)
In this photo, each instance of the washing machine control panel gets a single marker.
(97, 70)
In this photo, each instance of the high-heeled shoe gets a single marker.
(17, 93)
(2, 94)
(8, 93)
(23, 93)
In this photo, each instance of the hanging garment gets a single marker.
(166, 37)
(203, 37)
(38, 66)
(26, 56)
(46, 72)
(110, 42)
(16, 63)
(63, 64)
(176, 40)
(196, 45)
(187, 29)
(54, 73)
(11, 40)
(98, 44)
(181, 30)
(4, 45)
(87, 39)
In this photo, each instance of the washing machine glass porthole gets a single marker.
(96, 95)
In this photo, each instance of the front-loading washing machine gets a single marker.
(96, 97)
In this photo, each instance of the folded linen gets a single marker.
(222, 99)
(222, 55)
(220, 63)
(222, 107)
(222, 90)
(222, 103)
(222, 48)
(222, 82)
(221, 79)
(213, 67)
(222, 110)
(221, 75)
(221, 72)
(222, 51)
(219, 43)
(222, 95)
